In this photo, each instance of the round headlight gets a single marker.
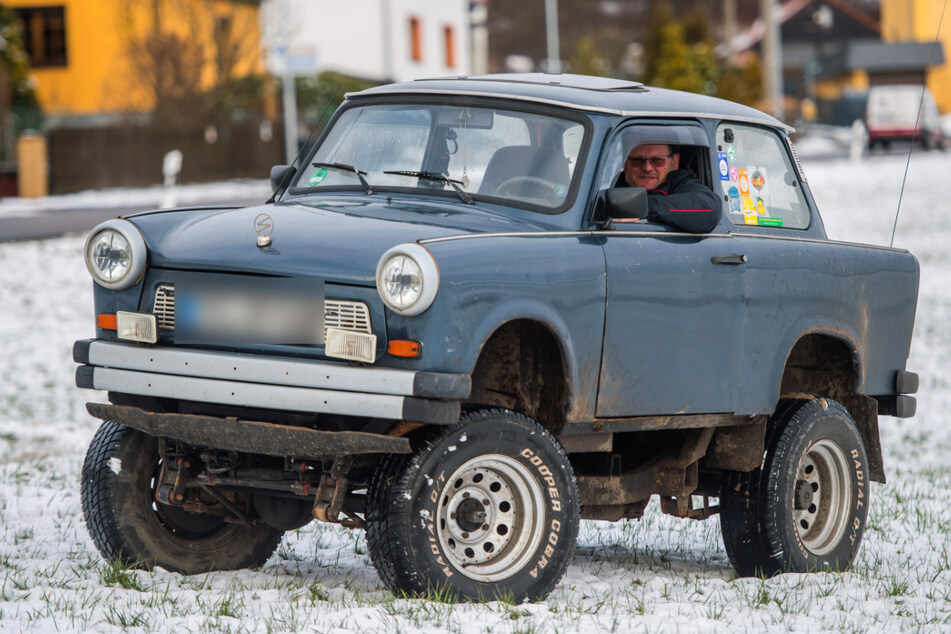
(407, 278)
(115, 254)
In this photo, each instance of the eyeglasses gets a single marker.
(656, 161)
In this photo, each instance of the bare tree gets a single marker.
(180, 52)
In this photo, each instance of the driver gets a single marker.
(676, 197)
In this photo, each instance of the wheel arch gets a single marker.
(525, 364)
(829, 363)
(821, 362)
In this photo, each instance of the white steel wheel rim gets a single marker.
(826, 471)
(489, 518)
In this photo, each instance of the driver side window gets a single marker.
(690, 141)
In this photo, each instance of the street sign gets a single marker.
(292, 60)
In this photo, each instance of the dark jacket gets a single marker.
(682, 201)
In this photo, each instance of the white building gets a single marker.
(373, 39)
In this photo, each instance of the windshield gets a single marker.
(525, 159)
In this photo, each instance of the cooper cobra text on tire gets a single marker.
(487, 509)
(805, 509)
(127, 524)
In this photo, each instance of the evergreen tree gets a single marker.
(660, 16)
(17, 97)
(682, 66)
(15, 87)
(587, 59)
(742, 84)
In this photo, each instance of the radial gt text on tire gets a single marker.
(127, 524)
(486, 509)
(804, 510)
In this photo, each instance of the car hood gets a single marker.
(337, 239)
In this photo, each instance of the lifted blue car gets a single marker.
(437, 330)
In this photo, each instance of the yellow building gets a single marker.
(919, 20)
(91, 57)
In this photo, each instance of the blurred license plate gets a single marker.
(250, 312)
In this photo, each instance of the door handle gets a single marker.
(736, 258)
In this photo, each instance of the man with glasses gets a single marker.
(676, 197)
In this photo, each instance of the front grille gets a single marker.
(338, 313)
(347, 315)
(164, 308)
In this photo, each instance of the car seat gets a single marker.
(515, 161)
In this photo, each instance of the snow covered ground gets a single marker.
(656, 575)
(142, 197)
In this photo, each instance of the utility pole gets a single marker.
(773, 64)
(479, 29)
(551, 35)
(730, 22)
(387, 23)
(290, 90)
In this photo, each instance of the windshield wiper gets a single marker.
(436, 176)
(348, 168)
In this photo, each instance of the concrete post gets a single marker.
(32, 166)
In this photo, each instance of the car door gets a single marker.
(675, 302)
(796, 282)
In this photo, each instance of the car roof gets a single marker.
(581, 92)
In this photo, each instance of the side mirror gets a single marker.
(280, 173)
(625, 202)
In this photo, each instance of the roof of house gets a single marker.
(881, 57)
(753, 35)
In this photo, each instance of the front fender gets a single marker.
(557, 280)
(514, 309)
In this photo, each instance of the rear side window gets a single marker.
(758, 179)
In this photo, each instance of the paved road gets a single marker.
(51, 224)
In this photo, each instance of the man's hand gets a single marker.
(627, 219)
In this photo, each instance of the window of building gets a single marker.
(415, 40)
(450, 43)
(44, 35)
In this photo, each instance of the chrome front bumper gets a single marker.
(265, 382)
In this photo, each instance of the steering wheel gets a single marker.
(513, 186)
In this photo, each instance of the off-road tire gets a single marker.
(814, 450)
(487, 509)
(127, 525)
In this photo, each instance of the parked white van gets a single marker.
(892, 111)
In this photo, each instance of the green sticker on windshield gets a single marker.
(770, 222)
(317, 177)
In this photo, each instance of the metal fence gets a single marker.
(131, 156)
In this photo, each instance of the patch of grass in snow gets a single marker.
(12, 583)
(125, 618)
(894, 588)
(6, 561)
(317, 594)
(120, 573)
(285, 617)
(22, 535)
